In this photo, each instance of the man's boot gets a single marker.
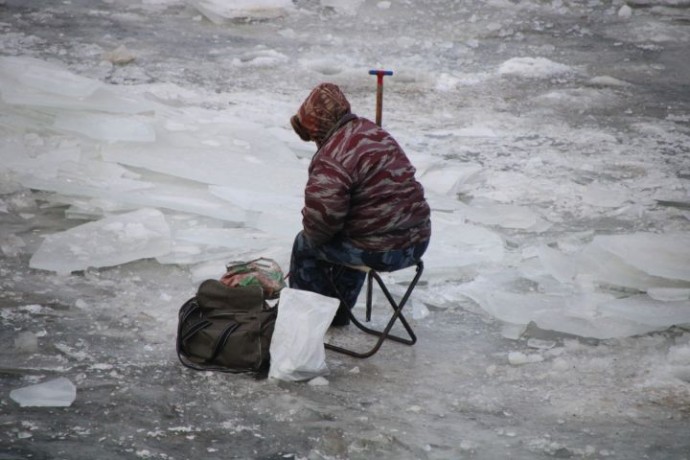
(342, 316)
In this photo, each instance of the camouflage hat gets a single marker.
(319, 112)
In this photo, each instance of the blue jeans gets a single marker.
(320, 269)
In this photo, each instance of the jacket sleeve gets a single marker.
(326, 201)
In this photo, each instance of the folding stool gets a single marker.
(397, 312)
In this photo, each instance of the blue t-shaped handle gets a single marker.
(380, 72)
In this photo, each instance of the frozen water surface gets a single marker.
(145, 143)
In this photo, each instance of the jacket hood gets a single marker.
(320, 112)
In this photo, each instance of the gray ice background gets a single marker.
(145, 143)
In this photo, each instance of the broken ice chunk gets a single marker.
(419, 310)
(461, 245)
(219, 11)
(31, 82)
(44, 77)
(446, 179)
(597, 194)
(512, 331)
(557, 264)
(637, 261)
(529, 67)
(669, 294)
(517, 358)
(106, 127)
(645, 310)
(59, 392)
(318, 382)
(586, 314)
(349, 7)
(259, 200)
(235, 152)
(111, 241)
(663, 255)
(503, 215)
(540, 344)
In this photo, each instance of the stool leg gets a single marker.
(370, 290)
(398, 309)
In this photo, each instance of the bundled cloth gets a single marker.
(262, 272)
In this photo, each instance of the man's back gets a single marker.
(362, 186)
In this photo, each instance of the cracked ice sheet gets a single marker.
(638, 261)
(571, 294)
(218, 11)
(582, 312)
(34, 83)
(189, 198)
(197, 245)
(227, 151)
(666, 256)
(457, 246)
(108, 242)
(106, 127)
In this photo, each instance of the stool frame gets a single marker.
(373, 275)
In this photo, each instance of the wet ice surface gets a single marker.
(552, 139)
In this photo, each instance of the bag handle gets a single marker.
(222, 338)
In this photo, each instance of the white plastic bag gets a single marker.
(297, 350)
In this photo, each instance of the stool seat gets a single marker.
(373, 275)
(361, 268)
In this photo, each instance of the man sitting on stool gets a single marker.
(363, 205)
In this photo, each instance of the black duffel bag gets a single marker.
(226, 329)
